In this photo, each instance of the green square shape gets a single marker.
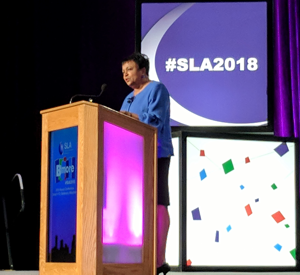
(274, 186)
(293, 253)
(228, 166)
(287, 226)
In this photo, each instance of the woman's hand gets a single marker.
(135, 116)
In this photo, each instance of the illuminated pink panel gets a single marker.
(123, 195)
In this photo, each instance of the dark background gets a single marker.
(52, 50)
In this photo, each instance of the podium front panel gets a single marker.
(127, 195)
(122, 195)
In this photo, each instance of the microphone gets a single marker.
(130, 99)
(103, 87)
(21, 191)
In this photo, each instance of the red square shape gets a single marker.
(202, 153)
(278, 217)
(248, 209)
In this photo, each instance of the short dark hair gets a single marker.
(140, 59)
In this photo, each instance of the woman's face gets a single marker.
(132, 75)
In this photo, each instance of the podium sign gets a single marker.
(62, 195)
(98, 192)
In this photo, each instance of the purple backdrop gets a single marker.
(286, 68)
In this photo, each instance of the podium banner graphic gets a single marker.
(63, 195)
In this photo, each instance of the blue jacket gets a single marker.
(152, 105)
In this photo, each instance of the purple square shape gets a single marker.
(282, 149)
(196, 214)
(217, 237)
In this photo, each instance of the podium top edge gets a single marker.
(91, 104)
(82, 102)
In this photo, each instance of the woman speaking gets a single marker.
(149, 102)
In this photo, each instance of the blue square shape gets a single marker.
(203, 174)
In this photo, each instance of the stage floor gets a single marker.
(172, 273)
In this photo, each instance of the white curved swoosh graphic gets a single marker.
(149, 47)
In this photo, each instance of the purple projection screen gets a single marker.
(123, 195)
(212, 57)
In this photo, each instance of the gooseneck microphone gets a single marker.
(103, 87)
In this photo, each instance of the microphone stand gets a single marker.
(103, 87)
(10, 259)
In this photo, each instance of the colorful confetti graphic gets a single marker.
(203, 174)
(293, 253)
(282, 149)
(222, 203)
(248, 209)
(228, 166)
(196, 214)
(278, 247)
(278, 217)
(274, 186)
(217, 237)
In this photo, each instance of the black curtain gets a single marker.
(52, 50)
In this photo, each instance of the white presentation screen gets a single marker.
(241, 202)
(172, 249)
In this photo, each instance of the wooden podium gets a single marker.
(114, 160)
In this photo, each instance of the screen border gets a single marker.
(183, 197)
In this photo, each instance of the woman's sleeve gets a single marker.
(124, 106)
(158, 107)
